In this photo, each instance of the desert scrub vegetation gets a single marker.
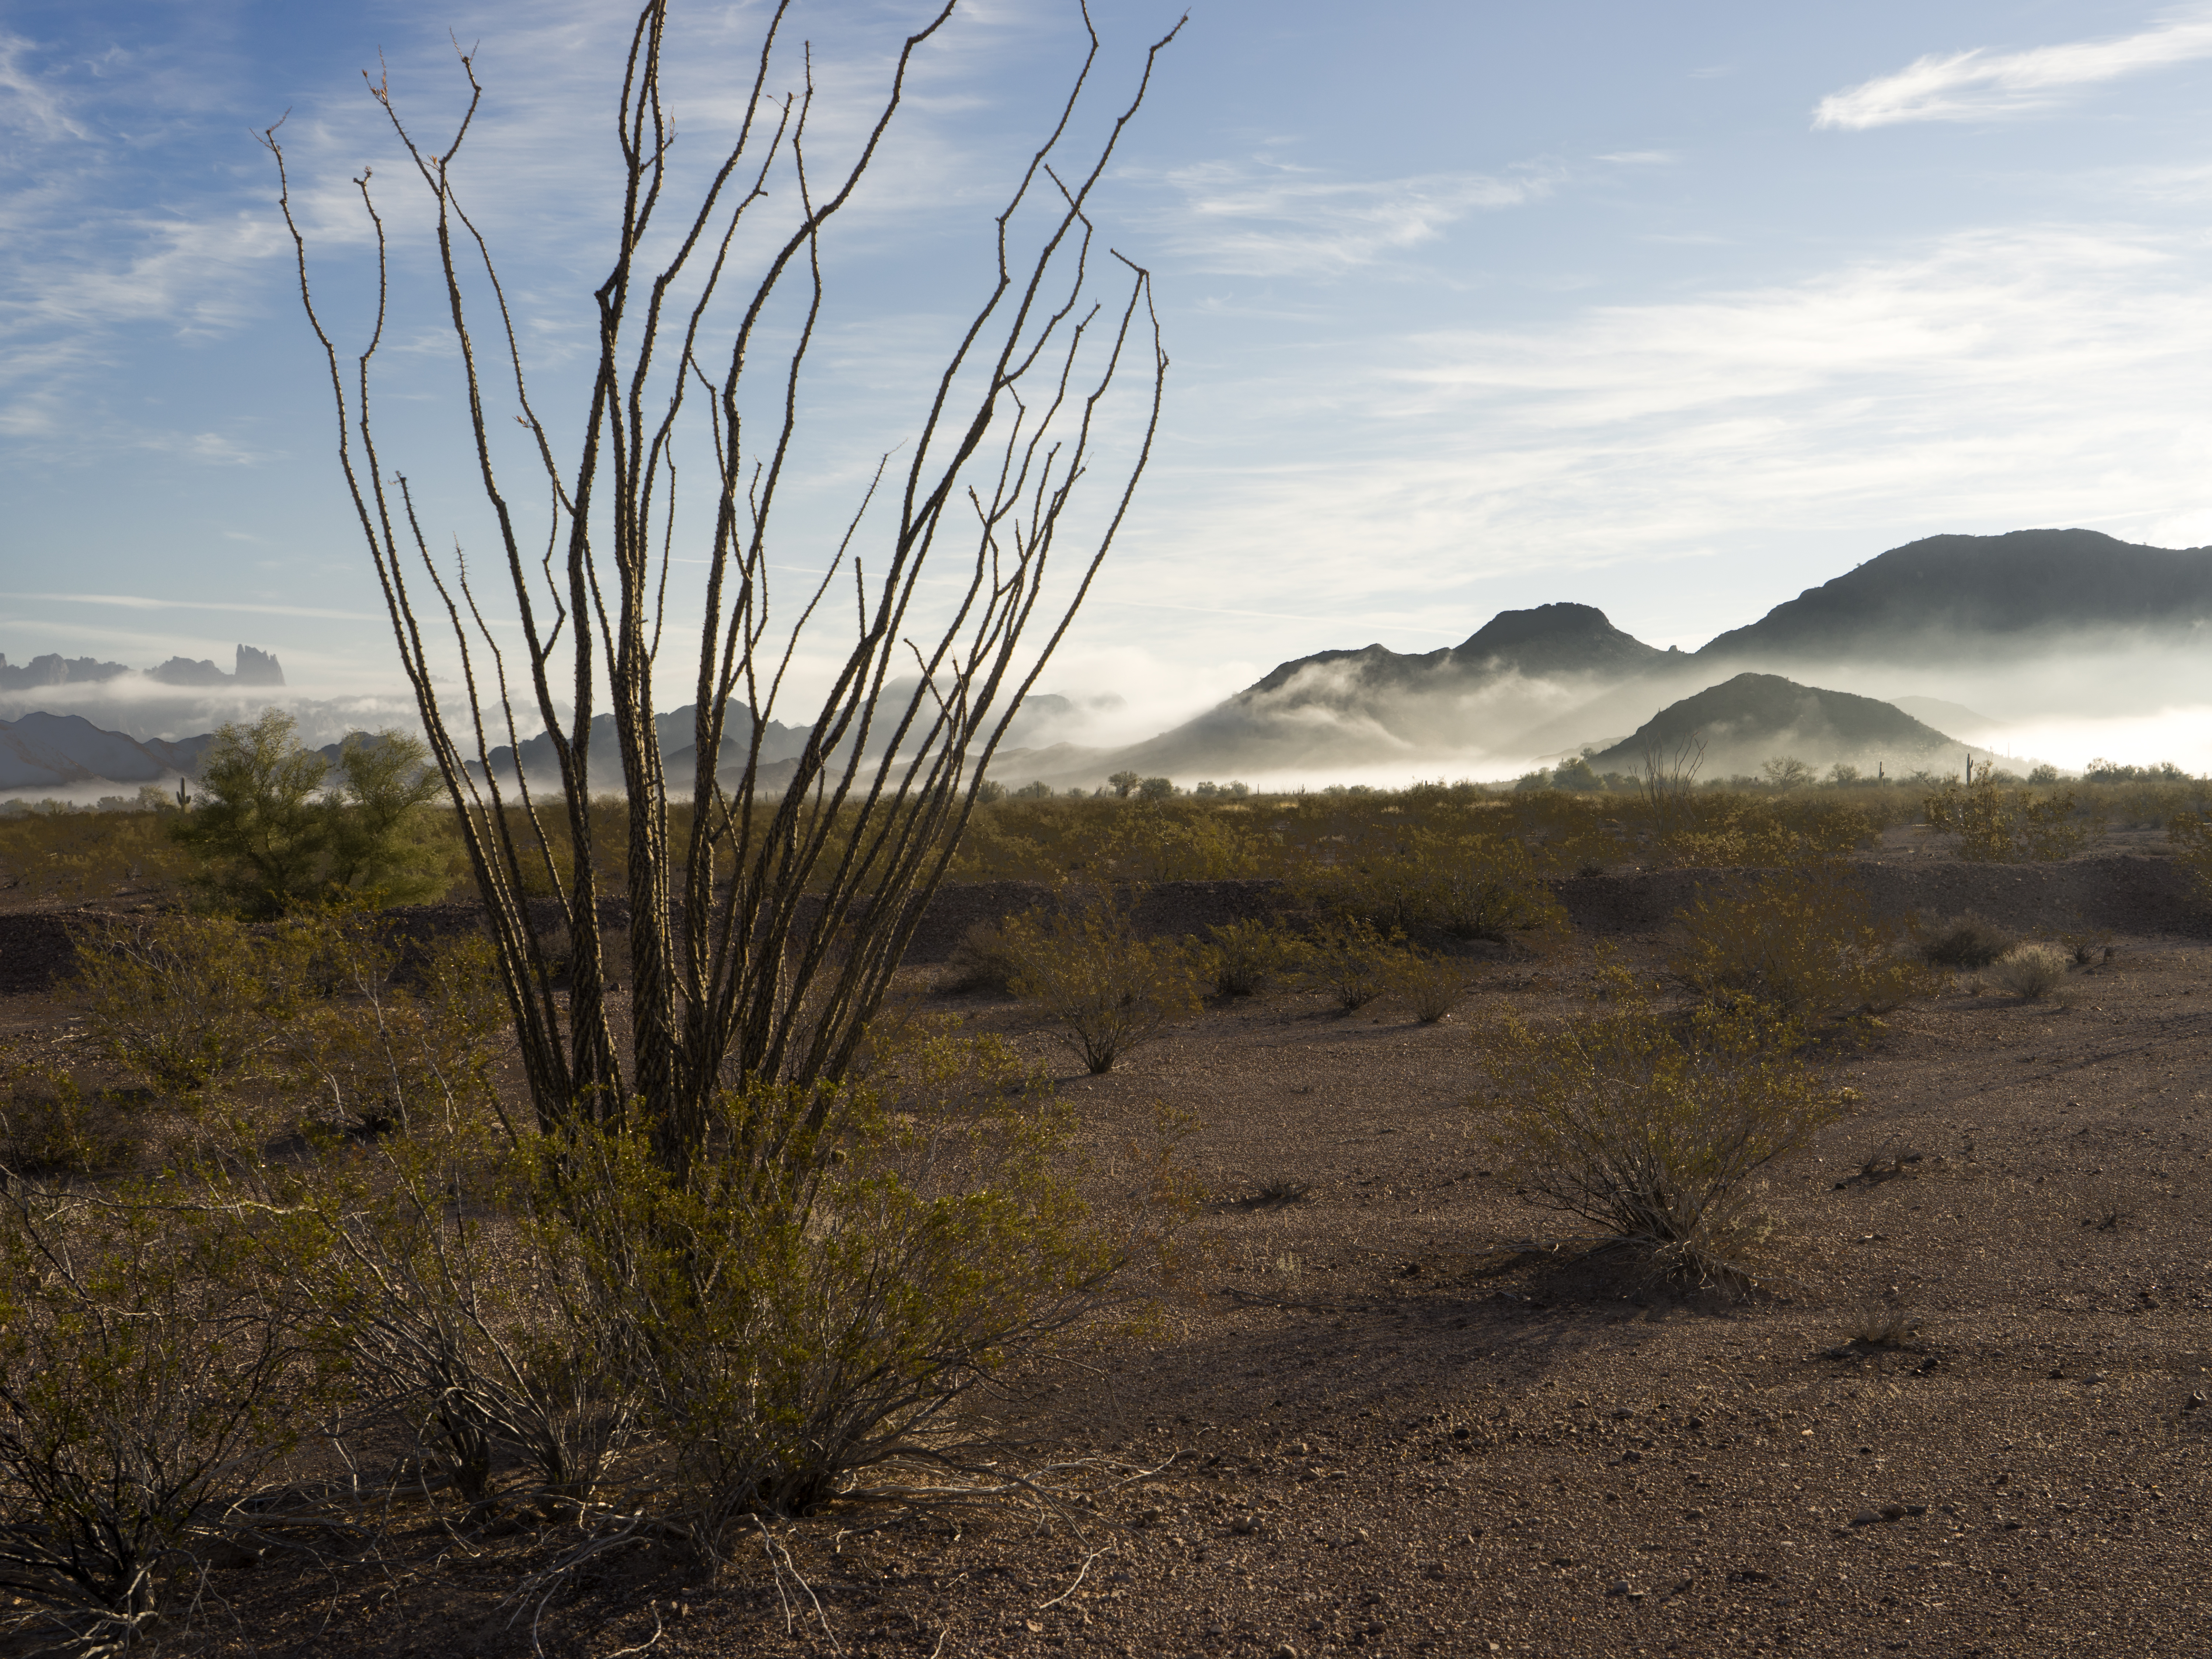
(2031, 972)
(1650, 1126)
(1801, 943)
(150, 1375)
(269, 830)
(1466, 885)
(556, 1327)
(1242, 958)
(61, 852)
(321, 1006)
(1964, 941)
(1104, 986)
(1992, 824)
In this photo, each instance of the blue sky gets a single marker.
(1675, 311)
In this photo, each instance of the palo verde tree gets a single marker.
(760, 945)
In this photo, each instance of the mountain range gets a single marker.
(1553, 680)
(1559, 678)
(250, 667)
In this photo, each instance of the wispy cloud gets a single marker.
(1980, 85)
(1260, 219)
(1985, 381)
(143, 602)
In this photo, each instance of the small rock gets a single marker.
(1892, 1511)
(1245, 1525)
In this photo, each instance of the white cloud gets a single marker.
(1985, 381)
(1979, 85)
(27, 104)
(1260, 219)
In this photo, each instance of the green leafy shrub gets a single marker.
(1802, 943)
(268, 833)
(984, 959)
(1151, 842)
(1649, 1127)
(1241, 958)
(797, 1312)
(1107, 988)
(2009, 826)
(46, 1125)
(1965, 941)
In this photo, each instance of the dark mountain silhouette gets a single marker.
(1755, 717)
(54, 669)
(253, 668)
(1551, 640)
(2028, 582)
(674, 728)
(44, 752)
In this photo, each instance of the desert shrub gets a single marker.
(268, 833)
(984, 959)
(2190, 834)
(2008, 826)
(46, 1125)
(1965, 941)
(1801, 943)
(1469, 886)
(1151, 843)
(186, 1004)
(1430, 985)
(371, 1052)
(148, 1379)
(1649, 1127)
(802, 1308)
(1353, 963)
(2030, 972)
(1240, 958)
(1107, 988)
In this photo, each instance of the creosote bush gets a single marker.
(795, 1315)
(1242, 958)
(1469, 886)
(2009, 826)
(1801, 943)
(1650, 1126)
(1965, 941)
(2030, 972)
(1353, 963)
(1104, 984)
(1430, 985)
(148, 1374)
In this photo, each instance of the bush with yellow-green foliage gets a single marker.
(150, 1373)
(189, 1004)
(47, 1126)
(1353, 963)
(794, 1316)
(1102, 983)
(1996, 825)
(1469, 886)
(1241, 958)
(1151, 841)
(1650, 1128)
(1802, 943)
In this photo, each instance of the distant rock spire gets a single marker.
(257, 667)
